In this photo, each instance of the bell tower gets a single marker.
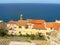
(21, 17)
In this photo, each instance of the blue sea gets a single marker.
(12, 11)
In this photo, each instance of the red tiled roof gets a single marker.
(29, 21)
(54, 25)
(49, 24)
(21, 22)
(36, 21)
(12, 22)
(38, 26)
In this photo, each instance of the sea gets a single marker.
(43, 11)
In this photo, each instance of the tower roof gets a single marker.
(21, 17)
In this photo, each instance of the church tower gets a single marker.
(21, 17)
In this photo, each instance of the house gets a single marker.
(26, 26)
(52, 26)
(11, 26)
(29, 23)
(49, 25)
(21, 23)
(38, 24)
(56, 26)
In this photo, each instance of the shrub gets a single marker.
(32, 36)
(39, 36)
(27, 35)
(3, 32)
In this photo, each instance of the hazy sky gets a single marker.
(29, 1)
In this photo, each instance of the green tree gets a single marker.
(3, 32)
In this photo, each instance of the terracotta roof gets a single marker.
(21, 22)
(12, 22)
(36, 21)
(38, 26)
(29, 21)
(54, 25)
(49, 24)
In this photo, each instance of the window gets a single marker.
(48, 37)
(10, 29)
(20, 32)
(51, 28)
(20, 26)
(26, 26)
(48, 33)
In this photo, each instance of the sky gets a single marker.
(29, 1)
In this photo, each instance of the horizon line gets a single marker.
(30, 3)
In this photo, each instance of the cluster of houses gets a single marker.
(31, 26)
